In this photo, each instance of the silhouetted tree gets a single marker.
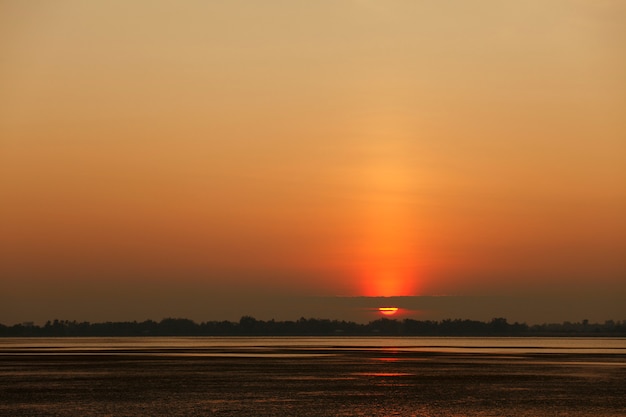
(248, 325)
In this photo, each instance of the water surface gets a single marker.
(313, 376)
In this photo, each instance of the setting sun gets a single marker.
(388, 311)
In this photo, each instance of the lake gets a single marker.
(313, 376)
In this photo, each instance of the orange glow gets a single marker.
(386, 254)
(388, 311)
(203, 148)
(388, 282)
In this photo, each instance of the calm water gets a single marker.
(289, 376)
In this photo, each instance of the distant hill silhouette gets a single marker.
(249, 326)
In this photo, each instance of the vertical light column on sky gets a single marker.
(387, 264)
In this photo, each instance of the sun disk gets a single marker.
(388, 311)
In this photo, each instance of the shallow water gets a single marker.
(330, 376)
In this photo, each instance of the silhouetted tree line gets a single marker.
(249, 326)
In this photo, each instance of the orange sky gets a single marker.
(330, 148)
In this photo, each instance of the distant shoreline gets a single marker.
(249, 326)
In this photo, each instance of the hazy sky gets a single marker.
(210, 159)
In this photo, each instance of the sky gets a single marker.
(210, 159)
